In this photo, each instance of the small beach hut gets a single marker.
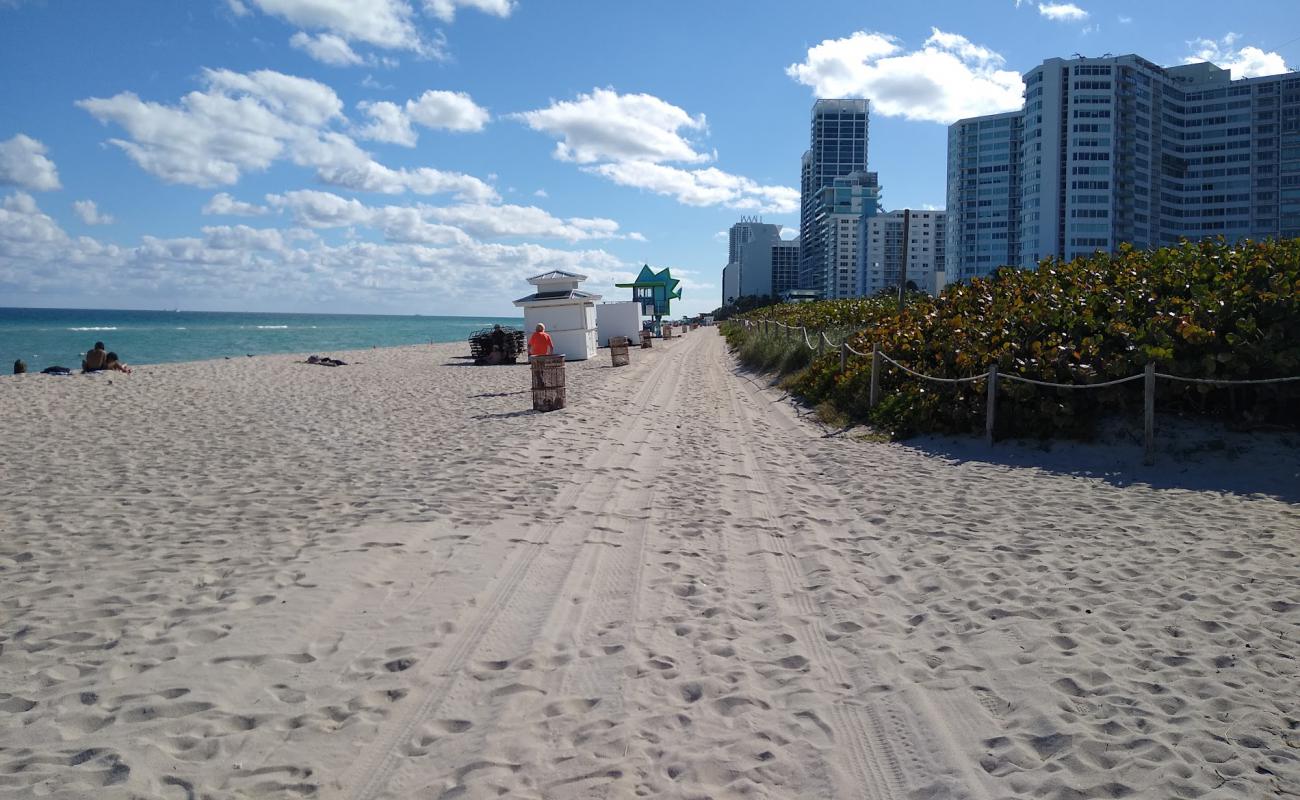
(568, 313)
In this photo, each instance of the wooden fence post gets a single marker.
(875, 374)
(844, 357)
(990, 415)
(1149, 395)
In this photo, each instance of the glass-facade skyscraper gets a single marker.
(837, 148)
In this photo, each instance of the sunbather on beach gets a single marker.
(95, 358)
(111, 363)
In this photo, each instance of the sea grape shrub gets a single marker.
(1207, 310)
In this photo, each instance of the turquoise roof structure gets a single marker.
(654, 291)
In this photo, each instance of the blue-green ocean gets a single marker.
(46, 337)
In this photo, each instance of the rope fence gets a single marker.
(878, 359)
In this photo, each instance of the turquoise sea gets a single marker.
(46, 337)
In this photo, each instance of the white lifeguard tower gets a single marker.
(568, 313)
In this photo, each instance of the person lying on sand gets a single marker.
(111, 363)
(326, 361)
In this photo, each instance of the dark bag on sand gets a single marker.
(56, 371)
(20, 367)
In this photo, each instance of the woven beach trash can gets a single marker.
(548, 382)
(668, 331)
(618, 351)
(647, 340)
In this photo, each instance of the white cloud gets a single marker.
(453, 111)
(637, 237)
(23, 163)
(445, 10)
(326, 48)
(949, 78)
(608, 126)
(1245, 62)
(246, 122)
(225, 205)
(540, 193)
(626, 138)
(701, 187)
(1123, 20)
(246, 266)
(1062, 12)
(388, 123)
(90, 213)
(381, 23)
(317, 209)
(238, 8)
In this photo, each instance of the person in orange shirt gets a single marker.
(539, 344)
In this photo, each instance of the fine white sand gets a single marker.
(256, 578)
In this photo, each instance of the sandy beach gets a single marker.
(255, 578)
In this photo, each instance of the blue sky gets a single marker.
(425, 156)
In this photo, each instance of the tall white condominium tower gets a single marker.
(838, 148)
(983, 194)
(1119, 149)
(884, 245)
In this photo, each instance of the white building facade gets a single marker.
(1121, 150)
(888, 238)
(568, 313)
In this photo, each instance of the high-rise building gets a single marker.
(838, 212)
(785, 267)
(887, 238)
(761, 263)
(730, 283)
(1120, 150)
(837, 148)
(983, 195)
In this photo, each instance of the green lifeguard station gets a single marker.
(654, 291)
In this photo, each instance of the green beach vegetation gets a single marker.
(1210, 310)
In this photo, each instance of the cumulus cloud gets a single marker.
(1245, 62)
(627, 138)
(316, 209)
(947, 79)
(246, 265)
(445, 10)
(327, 48)
(245, 122)
(23, 163)
(223, 204)
(1062, 12)
(701, 187)
(381, 23)
(388, 123)
(90, 213)
(453, 111)
(608, 126)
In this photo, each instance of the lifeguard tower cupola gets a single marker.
(654, 290)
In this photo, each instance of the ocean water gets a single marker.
(46, 337)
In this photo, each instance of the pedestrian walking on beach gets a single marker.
(540, 344)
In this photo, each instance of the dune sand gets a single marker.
(255, 578)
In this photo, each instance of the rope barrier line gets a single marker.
(1022, 379)
(1215, 382)
(971, 379)
(1008, 376)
